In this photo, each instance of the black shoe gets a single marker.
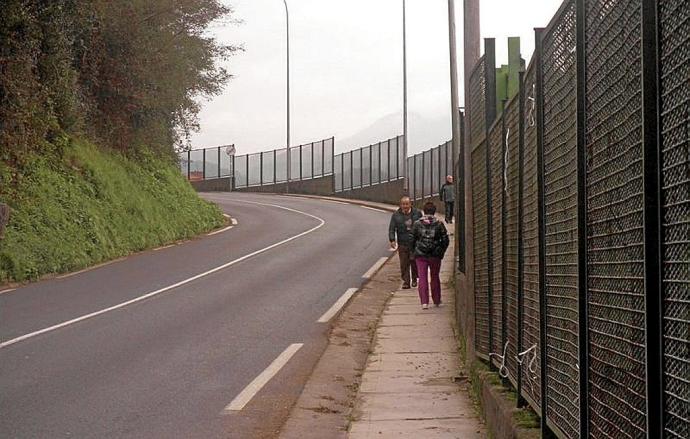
(405, 287)
(414, 283)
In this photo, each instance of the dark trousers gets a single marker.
(407, 264)
(450, 206)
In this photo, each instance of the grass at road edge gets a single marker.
(78, 205)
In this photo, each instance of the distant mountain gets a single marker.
(424, 132)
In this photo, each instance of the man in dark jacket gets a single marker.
(399, 230)
(429, 244)
(448, 197)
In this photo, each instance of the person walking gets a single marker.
(399, 235)
(448, 197)
(429, 243)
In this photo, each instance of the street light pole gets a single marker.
(287, 140)
(405, 179)
(454, 99)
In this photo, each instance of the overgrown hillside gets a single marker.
(124, 78)
(77, 206)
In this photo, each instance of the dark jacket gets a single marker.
(401, 226)
(429, 237)
(447, 192)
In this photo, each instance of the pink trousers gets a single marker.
(424, 266)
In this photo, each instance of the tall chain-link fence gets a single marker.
(581, 221)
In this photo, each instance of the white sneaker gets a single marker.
(425, 306)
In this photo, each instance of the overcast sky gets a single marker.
(346, 67)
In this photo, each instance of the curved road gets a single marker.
(144, 348)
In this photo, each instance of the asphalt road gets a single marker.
(166, 366)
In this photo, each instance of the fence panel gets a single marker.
(375, 163)
(476, 102)
(254, 169)
(267, 167)
(560, 205)
(496, 152)
(328, 151)
(410, 177)
(295, 161)
(196, 164)
(419, 182)
(384, 161)
(357, 168)
(338, 172)
(531, 368)
(401, 156)
(427, 173)
(480, 229)
(225, 161)
(241, 171)
(366, 166)
(211, 160)
(347, 170)
(281, 165)
(393, 158)
(318, 148)
(435, 169)
(615, 244)
(674, 48)
(511, 195)
(305, 165)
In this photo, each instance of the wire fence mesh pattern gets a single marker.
(674, 20)
(615, 242)
(480, 232)
(531, 372)
(564, 296)
(496, 189)
(561, 227)
(511, 196)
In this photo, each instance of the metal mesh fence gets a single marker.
(560, 204)
(481, 251)
(615, 242)
(370, 165)
(311, 160)
(531, 368)
(674, 47)
(496, 152)
(510, 188)
(476, 102)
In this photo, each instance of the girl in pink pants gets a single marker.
(429, 244)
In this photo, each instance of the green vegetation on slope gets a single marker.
(77, 205)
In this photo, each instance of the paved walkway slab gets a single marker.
(412, 385)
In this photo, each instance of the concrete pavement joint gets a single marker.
(169, 287)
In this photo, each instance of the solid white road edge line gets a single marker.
(374, 268)
(7, 290)
(373, 208)
(175, 285)
(220, 231)
(164, 247)
(226, 215)
(328, 315)
(260, 381)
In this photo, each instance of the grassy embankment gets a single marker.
(78, 205)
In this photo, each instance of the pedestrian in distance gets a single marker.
(448, 197)
(429, 242)
(400, 235)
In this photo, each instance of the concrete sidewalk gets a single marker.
(413, 385)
